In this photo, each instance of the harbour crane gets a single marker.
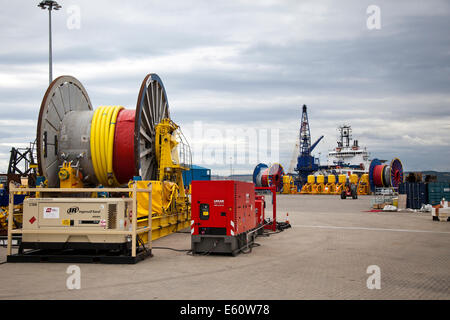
(306, 163)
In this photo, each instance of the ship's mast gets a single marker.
(346, 135)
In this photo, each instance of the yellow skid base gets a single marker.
(339, 188)
(330, 188)
(164, 225)
(307, 188)
(318, 188)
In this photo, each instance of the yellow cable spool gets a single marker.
(102, 143)
(112, 127)
(95, 134)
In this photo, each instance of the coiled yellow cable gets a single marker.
(102, 143)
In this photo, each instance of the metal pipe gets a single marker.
(50, 73)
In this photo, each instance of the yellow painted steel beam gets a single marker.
(164, 225)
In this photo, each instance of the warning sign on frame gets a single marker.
(51, 213)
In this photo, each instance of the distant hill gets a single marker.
(441, 176)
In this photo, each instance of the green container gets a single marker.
(437, 191)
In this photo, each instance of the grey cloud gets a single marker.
(342, 71)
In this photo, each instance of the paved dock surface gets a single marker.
(325, 255)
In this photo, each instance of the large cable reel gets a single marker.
(111, 144)
(265, 176)
(385, 176)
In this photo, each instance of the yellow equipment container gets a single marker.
(395, 202)
(320, 179)
(331, 178)
(319, 186)
(363, 185)
(308, 187)
(330, 187)
(288, 185)
(342, 179)
(353, 179)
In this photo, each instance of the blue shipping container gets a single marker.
(416, 194)
(402, 188)
(437, 191)
(196, 173)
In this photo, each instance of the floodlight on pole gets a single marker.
(49, 5)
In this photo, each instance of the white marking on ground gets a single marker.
(370, 229)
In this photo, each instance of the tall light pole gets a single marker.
(49, 5)
(231, 168)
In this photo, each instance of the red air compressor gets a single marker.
(223, 214)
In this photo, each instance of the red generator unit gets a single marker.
(223, 214)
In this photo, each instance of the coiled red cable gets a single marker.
(378, 175)
(123, 153)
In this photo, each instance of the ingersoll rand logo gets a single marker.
(73, 210)
(219, 203)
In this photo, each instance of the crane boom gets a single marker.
(315, 144)
(306, 163)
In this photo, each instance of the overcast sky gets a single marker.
(245, 64)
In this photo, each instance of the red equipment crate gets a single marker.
(260, 204)
(223, 207)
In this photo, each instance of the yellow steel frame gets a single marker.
(177, 216)
(330, 188)
(169, 165)
(340, 187)
(168, 162)
(318, 188)
(307, 188)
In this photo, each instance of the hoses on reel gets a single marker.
(102, 143)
